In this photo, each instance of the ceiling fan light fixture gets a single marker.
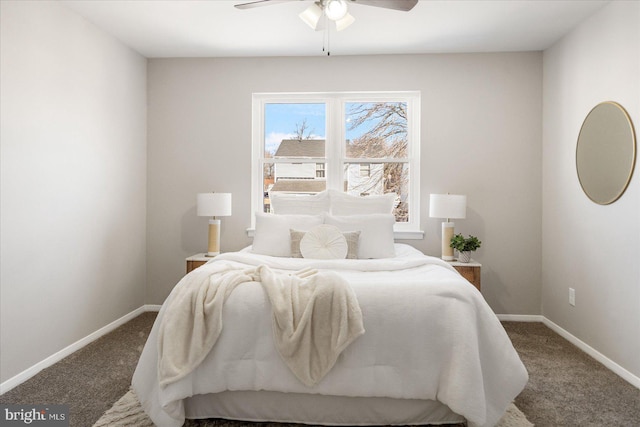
(335, 9)
(311, 16)
(343, 23)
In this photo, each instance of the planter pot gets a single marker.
(464, 256)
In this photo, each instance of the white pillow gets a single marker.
(346, 204)
(351, 237)
(376, 233)
(324, 242)
(299, 204)
(272, 237)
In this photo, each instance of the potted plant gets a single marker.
(464, 246)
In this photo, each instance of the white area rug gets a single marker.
(128, 412)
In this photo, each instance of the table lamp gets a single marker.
(213, 205)
(447, 206)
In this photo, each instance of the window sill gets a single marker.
(408, 235)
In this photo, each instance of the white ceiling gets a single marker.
(214, 28)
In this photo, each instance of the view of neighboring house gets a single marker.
(299, 177)
(363, 179)
(309, 177)
(295, 177)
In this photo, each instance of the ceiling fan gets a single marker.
(334, 10)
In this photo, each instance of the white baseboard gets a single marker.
(56, 357)
(520, 317)
(613, 366)
(610, 364)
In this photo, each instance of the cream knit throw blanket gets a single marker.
(315, 316)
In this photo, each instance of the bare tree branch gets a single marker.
(300, 130)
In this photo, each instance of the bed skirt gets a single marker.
(263, 406)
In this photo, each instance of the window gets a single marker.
(365, 170)
(362, 143)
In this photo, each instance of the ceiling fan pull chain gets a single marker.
(326, 46)
(328, 31)
(324, 40)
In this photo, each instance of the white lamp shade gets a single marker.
(311, 16)
(447, 206)
(214, 204)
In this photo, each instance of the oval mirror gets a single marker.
(606, 153)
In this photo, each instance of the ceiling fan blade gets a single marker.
(258, 3)
(403, 5)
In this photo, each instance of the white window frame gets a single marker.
(335, 152)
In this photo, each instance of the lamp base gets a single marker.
(214, 238)
(447, 234)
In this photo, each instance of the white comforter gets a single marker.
(429, 335)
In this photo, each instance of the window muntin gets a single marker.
(374, 132)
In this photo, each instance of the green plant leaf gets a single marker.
(463, 244)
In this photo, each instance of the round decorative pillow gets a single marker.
(324, 242)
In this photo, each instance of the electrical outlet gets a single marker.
(572, 297)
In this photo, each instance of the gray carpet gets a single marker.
(566, 387)
(91, 379)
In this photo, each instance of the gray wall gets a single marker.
(591, 248)
(481, 136)
(73, 176)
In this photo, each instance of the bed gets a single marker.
(431, 350)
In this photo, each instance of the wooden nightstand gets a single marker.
(469, 270)
(196, 261)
